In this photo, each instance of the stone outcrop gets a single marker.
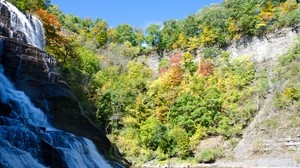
(259, 49)
(266, 47)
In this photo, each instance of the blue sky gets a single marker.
(137, 13)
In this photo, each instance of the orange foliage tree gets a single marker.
(175, 68)
(56, 42)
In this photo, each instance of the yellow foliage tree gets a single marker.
(208, 36)
(193, 43)
(287, 6)
(181, 42)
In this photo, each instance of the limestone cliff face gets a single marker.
(259, 49)
(32, 71)
(266, 47)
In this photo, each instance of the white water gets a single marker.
(29, 25)
(75, 151)
(10, 155)
(24, 108)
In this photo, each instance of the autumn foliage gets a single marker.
(50, 22)
(205, 67)
(56, 42)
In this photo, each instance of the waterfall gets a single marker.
(26, 129)
(24, 108)
(1, 48)
(27, 139)
(29, 25)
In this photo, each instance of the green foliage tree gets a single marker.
(125, 32)
(180, 142)
(154, 37)
(154, 134)
(170, 33)
(190, 26)
(213, 25)
(30, 5)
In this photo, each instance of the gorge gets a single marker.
(32, 127)
(219, 88)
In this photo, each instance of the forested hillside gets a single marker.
(158, 116)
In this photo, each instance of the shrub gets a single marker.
(181, 139)
(209, 155)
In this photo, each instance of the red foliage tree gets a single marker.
(175, 60)
(205, 68)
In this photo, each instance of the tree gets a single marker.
(30, 5)
(181, 42)
(190, 26)
(72, 23)
(180, 141)
(154, 38)
(213, 25)
(154, 134)
(99, 33)
(140, 38)
(55, 43)
(188, 63)
(112, 35)
(125, 32)
(54, 9)
(170, 33)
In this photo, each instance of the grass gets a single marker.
(271, 122)
(258, 146)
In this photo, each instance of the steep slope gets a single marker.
(272, 138)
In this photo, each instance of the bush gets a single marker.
(211, 52)
(201, 133)
(209, 155)
(181, 141)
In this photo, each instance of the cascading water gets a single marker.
(26, 129)
(29, 25)
(1, 48)
(24, 109)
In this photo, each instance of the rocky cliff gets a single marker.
(259, 49)
(266, 47)
(33, 71)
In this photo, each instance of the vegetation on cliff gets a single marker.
(166, 115)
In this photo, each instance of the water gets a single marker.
(25, 132)
(1, 48)
(14, 157)
(19, 68)
(77, 152)
(30, 26)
